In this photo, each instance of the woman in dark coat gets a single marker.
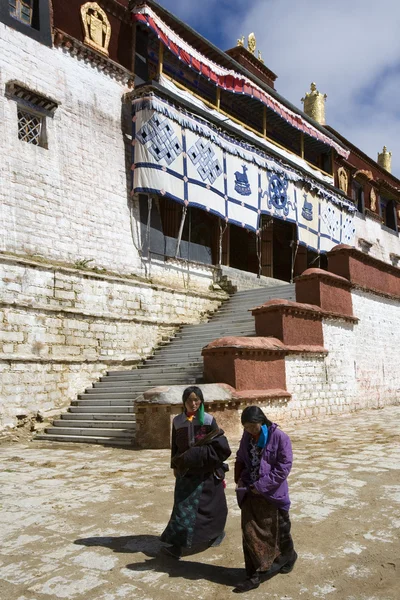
(263, 463)
(198, 451)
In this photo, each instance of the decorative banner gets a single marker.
(192, 163)
(227, 79)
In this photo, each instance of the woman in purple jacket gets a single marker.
(262, 466)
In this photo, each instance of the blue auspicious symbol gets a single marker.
(242, 185)
(278, 197)
(348, 230)
(203, 157)
(331, 218)
(307, 209)
(164, 145)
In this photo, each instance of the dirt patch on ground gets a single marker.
(83, 522)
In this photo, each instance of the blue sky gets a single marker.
(350, 48)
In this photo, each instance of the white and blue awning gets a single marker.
(186, 159)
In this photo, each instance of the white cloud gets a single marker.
(350, 48)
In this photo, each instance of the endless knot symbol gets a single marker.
(164, 143)
(278, 197)
(202, 155)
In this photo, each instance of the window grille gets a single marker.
(21, 10)
(30, 127)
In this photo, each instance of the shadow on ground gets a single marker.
(150, 545)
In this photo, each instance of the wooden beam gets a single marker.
(265, 121)
(160, 59)
(218, 99)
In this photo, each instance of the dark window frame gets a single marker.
(39, 30)
(387, 212)
(358, 195)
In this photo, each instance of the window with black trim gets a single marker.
(387, 211)
(358, 196)
(32, 111)
(30, 17)
(21, 10)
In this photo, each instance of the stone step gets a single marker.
(141, 383)
(104, 440)
(90, 431)
(105, 400)
(94, 409)
(149, 365)
(99, 416)
(213, 334)
(91, 423)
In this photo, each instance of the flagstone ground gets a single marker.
(83, 521)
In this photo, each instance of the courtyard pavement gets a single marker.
(82, 522)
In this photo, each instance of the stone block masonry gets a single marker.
(356, 363)
(61, 329)
(69, 201)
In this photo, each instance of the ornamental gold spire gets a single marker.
(385, 159)
(251, 43)
(314, 104)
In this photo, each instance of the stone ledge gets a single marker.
(364, 258)
(10, 358)
(332, 278)
(258, 345)
(309, 310)
(135, 280)
(75, 312)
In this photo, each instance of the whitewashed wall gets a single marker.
(61, 329)
(383, 242)
(361, 368)
(68, 202)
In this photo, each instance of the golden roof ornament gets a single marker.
(314, 104)
(260, 58)
(240, 41)
(251, 43)
(385, 159)
(96, 26)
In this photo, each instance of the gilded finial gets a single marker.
(251, 43)
(385, 159)
(240, 41)
(314, 104)
(260, 58)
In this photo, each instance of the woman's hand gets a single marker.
(254, 491)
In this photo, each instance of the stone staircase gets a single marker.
(105, 414)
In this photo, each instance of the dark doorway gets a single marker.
(243, 249)
(284, 240)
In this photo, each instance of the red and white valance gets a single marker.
(226, 79)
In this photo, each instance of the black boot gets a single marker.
(288, 567)
(251, 583)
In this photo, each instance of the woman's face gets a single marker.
(252, 428)
(192, 404)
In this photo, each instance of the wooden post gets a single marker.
(333, 162)
(160, 58)
(218, 99)
(226, 246)
(302, 145)
(265, 122)
(267, 254)
(133, 55)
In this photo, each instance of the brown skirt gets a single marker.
(260, 528)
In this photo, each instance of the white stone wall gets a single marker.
(360, 369)
(384, 243)
(70, 201)
(60, 329)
